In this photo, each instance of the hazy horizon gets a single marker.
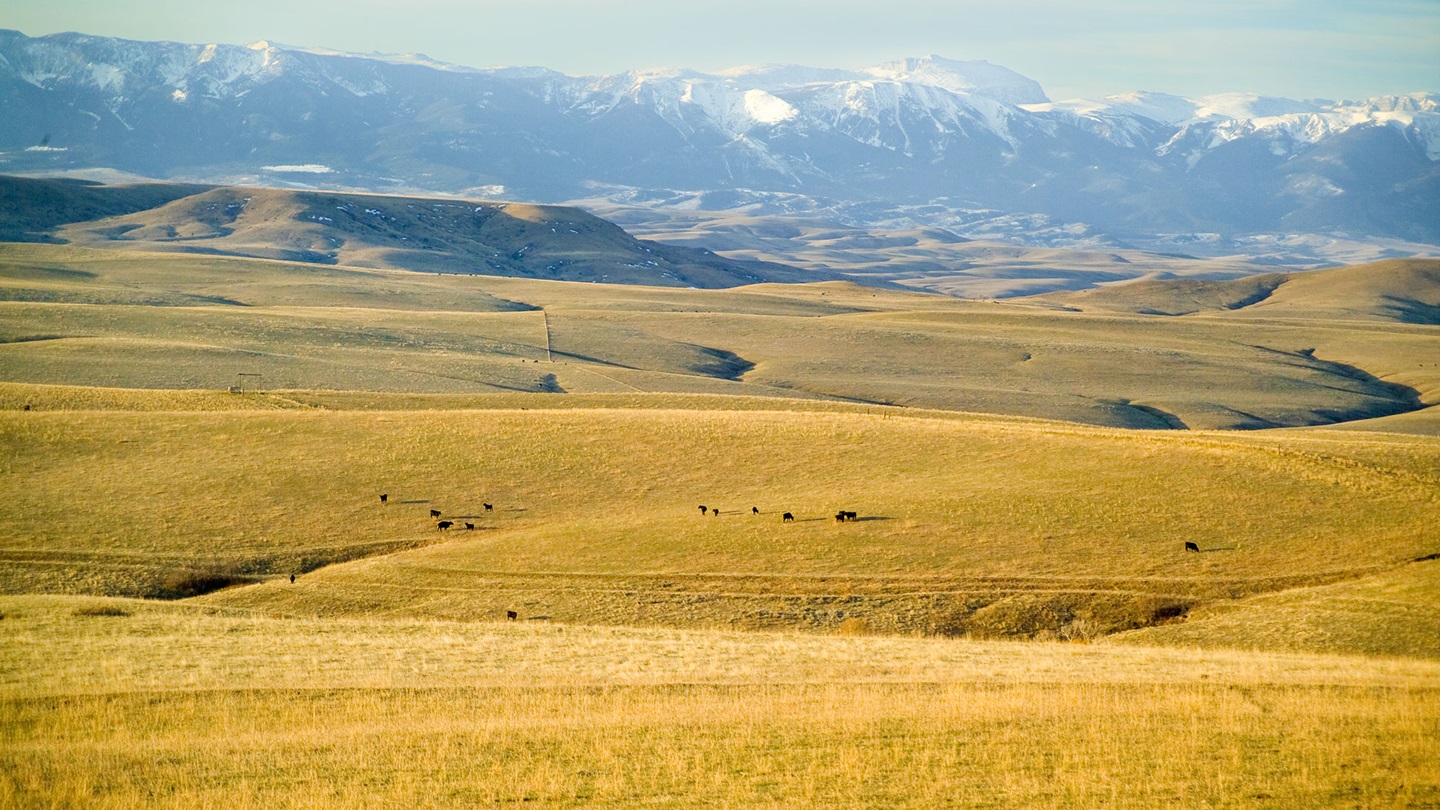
(1326, 49)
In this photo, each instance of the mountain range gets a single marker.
(968, 146)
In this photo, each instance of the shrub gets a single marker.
(197, 581)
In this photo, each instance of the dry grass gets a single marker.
(120, 319)
(353, 686)
(1389, 614)
(970, 525)
(176, 707)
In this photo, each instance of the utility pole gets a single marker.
(549, 358)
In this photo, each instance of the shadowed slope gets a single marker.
(1399, 290)
(426, 234)
(30, 208)
(1393, 613)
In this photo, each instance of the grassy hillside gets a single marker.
(968, 525)
(412, 233)
(746, 660)
(119, 319)
(31, 208)
(1387, 614)
(1398, 290)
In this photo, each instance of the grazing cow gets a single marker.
(434, 513)
(1191, 546)
(754, 510)
(444, 524)
(787, 518)
(703, 510)
(839, 517)
(27, 406)
(384, 498)
(469, 526)
(850, 516)
(489, 507)
(511, 615)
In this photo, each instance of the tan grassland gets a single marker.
(1012, 621)
(125, 319)
(118, 703)
(968, 524)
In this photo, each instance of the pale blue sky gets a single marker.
(1296, 48)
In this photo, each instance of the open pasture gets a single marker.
(120, 319)
(967, 525)
(119, 703)
(1290, 661)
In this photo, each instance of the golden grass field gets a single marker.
(118, 703)
(1013, 620)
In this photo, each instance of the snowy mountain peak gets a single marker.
(929, 131)
(1238, 106)
(781, 77)
(978, 78)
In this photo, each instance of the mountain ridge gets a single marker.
(927, 142)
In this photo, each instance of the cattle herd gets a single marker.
(435, 513)
(840, 517)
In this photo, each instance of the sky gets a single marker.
(1295, 48)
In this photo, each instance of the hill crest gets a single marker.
(1399, 290)
(430, 234)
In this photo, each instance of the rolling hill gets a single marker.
(127, 318)
(204, 600)
(933, 259)
(422, 234)
(1400, 290)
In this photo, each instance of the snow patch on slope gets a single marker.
(979, 78)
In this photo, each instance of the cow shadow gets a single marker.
(867, 518)
(1221, 548)
(412, 502)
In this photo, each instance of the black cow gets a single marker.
(434, 513)
(703, 510)
(787, 518)
(754, 510)
(384, 498)
(850, 516)
(839, 517)
(292, 579)
(511, 615)
(489, 507)
(469, 525)
(1191, 547)
(443, 525)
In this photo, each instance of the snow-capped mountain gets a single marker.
(920, 141)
